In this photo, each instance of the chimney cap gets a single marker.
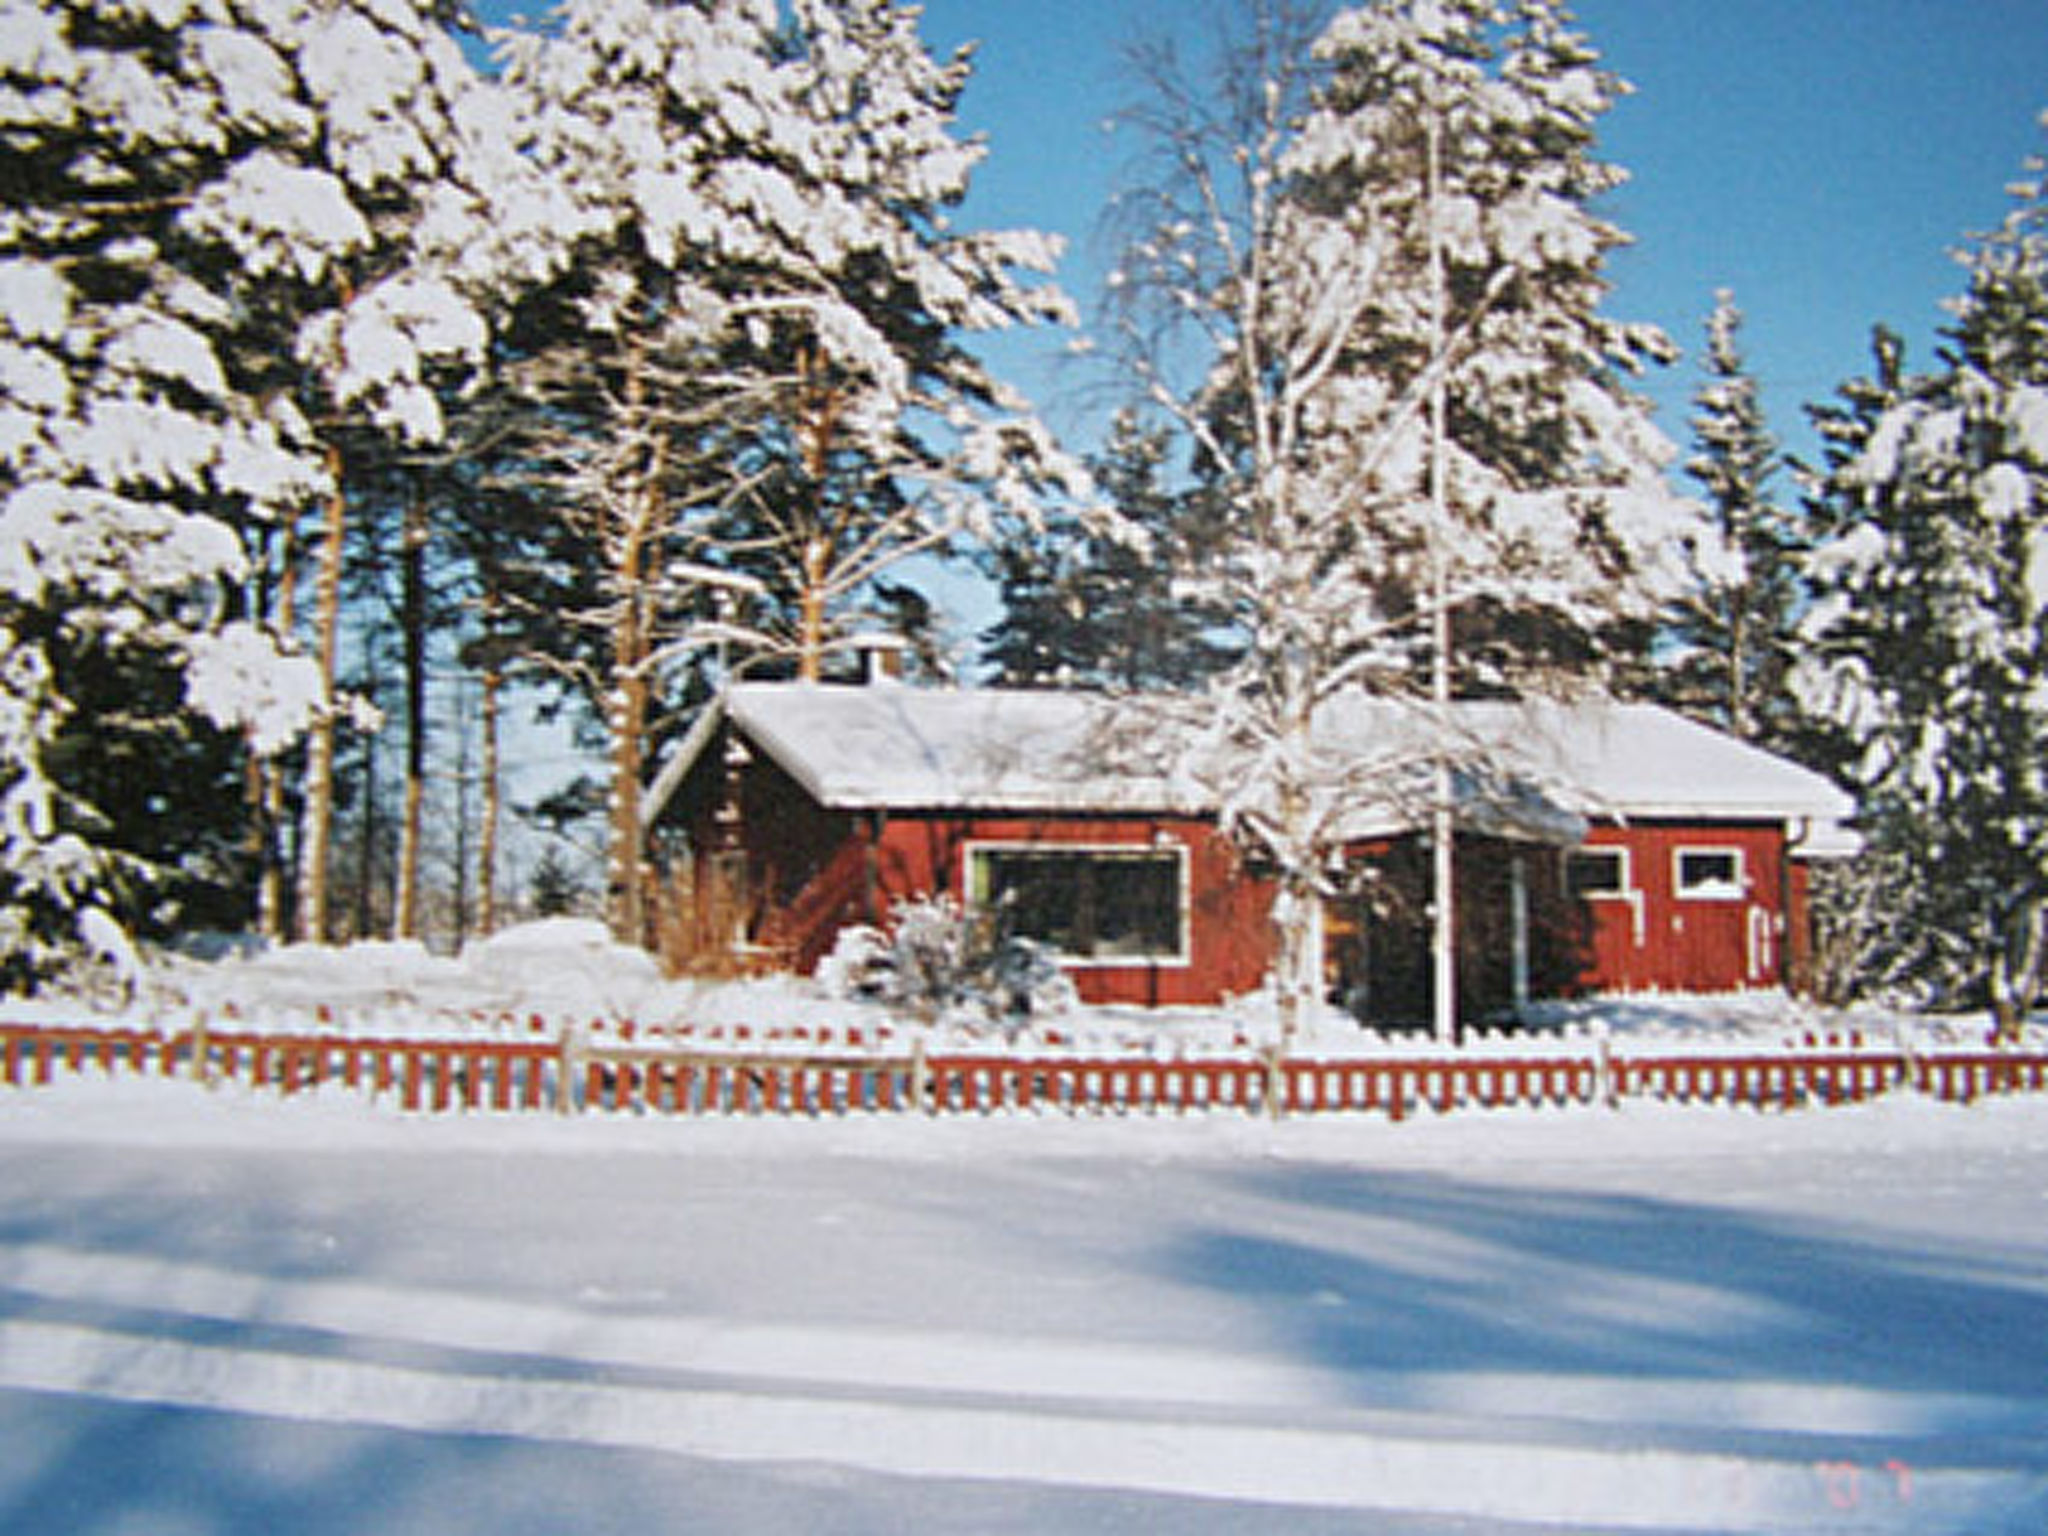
(881, 656)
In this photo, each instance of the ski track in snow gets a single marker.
(1221, 1405)
(1432, 1469)
(1092, 1372)
(1183, 1423)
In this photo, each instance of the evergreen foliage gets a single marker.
(195, 269)
(1735, 634)
(1929, 633)
(1085, 608)
(745, 395)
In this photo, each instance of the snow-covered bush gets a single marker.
(938, 962)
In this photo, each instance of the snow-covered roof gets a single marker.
(1643, 761)
(891, 747)
(885, 746)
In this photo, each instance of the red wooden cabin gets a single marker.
(1663, 855)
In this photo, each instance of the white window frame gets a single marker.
(1627, 894)
(1625, 890)
(1735, 889)
(973, 888)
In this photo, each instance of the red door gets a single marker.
(1722, 932)
(1605, 879)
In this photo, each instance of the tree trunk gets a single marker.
(319, 817)
(626, 712)
(629, 696)
(267, 774)
(487, 839)
(405, 920)
(822, 405)
(462, 780)
(2016, 977)
(1443, 820)
(810, 654)
(366, 839)
(1741, 723)
(1297, 918)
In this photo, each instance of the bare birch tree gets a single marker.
(1361, 277)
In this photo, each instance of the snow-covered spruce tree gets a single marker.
(113, 423)
(1093, 608)
(1929, 634)
(1367, 287)
(1734, 637)
(752, 399)
(203, 211)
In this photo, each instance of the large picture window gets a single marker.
(1105, 905)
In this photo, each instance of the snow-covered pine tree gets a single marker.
(200, 218)
(601, 423)
(1368, 289)
(1085, 607)
(1554, 520)
(886, 437)
(1734, 636)
(751, 396)
(1929, 633)
(404, 132)
(105, 373)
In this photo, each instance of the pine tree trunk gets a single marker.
(1740, 723)
(267, 774)
(462, 782)
(1443, 820)
(319, 818)
(810, 655)
(626, 712)
(2017, 974)
(405, 921)
(627, 698)
(821, 424)
(487, 841)
(366, 839)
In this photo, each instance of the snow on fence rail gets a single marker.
(569, 1074)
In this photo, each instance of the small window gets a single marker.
(1710, 874)
(1598, 874)
(1107, 906)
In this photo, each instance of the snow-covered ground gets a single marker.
(224, 1314)
(567, 973)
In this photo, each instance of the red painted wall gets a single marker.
(1659, 939)
(1229, 916)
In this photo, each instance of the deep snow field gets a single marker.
(223, 1314)
(220, 1314)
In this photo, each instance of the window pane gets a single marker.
(1137, 906)
(1597, 872)
(1035, 898)
(1709, 872)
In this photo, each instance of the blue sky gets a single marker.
(1821, 158)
